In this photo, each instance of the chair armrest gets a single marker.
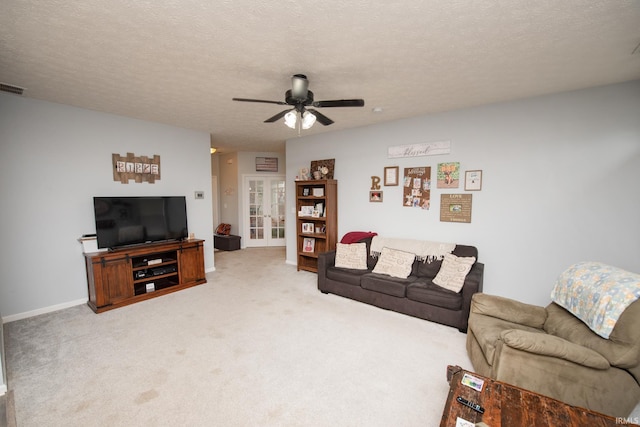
(325, 260)
(550, 345)
(509, 310)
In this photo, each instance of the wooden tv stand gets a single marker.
(128, 275)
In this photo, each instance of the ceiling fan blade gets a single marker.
(259, 100)
(339, 103)
(278, 116)
(320, 117)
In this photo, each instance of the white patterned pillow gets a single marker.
(453, 272)
(352, 255)
(394, 263)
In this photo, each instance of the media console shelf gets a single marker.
(125, 276)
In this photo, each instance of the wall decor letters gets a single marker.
(140, 169)
(375, 182)
(417, 150)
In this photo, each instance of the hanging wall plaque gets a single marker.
(140, 169)
(417, 187)
(455, 207)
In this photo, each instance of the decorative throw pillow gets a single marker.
(394, 263)
(352, 255)
(453, 272)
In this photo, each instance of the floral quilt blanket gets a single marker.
(596, 293)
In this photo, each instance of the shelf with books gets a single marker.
(317, 220)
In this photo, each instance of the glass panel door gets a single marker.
(265, 214)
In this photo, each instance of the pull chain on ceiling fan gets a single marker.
(300, 97)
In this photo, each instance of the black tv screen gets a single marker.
(122, 221)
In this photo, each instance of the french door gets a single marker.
(264, 211)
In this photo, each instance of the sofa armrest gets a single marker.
(325, 260)
(509, 310)
(552, 346)
(472, 284)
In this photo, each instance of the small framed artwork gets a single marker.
(306, 211)
(375, 196)
(391, 175)
(473, 180)
(308, 227)
(305, 191)
(308, 244)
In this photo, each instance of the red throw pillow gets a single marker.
(356, 236)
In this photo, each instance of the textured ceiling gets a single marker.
(181, 61)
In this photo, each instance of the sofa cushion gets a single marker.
(453, 271)
(385, 284)
(395, 263)
(466, 251)
(346, 275)
(429, 293)
(352, 256)
(427, 270)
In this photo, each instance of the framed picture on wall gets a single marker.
(473, 180)
(375, 196)
(391, 175)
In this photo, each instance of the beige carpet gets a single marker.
(258, 345)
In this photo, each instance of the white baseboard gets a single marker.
(27, 314)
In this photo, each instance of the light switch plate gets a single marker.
(199, 194)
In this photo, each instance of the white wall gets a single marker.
(561, 176)
(53, 160)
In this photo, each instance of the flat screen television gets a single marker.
(124, 221)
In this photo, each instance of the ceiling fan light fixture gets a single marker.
(299, 87)
(290, 119)
(308, 119)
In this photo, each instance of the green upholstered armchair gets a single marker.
(551, 351)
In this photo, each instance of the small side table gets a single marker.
(506, 405)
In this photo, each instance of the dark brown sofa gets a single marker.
(416, 295)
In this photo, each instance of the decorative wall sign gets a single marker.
(417, 187)
(140, 169)
(417, 150)
(455, 207)
(449, 175)
(318, 165)
(473, 180)
(266, 164)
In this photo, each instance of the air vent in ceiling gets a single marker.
(11, 89)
